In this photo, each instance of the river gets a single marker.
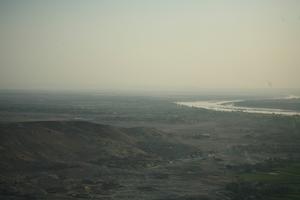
(228, 106)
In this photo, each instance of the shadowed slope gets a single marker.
(80, 141)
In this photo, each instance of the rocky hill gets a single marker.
(78, 159)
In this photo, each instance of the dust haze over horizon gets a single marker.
(149, 45)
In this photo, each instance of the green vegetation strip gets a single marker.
(287, 177)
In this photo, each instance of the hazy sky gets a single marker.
(154, 44)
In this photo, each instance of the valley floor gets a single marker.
(145, 149)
